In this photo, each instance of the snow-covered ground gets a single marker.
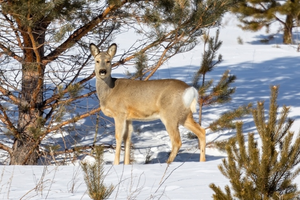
(257, 67)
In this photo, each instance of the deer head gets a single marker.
(103, 60)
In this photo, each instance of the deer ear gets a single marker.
(112, 50)
(94, 49)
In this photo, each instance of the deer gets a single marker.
(126, 100)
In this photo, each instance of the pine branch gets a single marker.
(226, 120)
(78, 34)
(266, 171)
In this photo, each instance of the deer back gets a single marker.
(146, 100)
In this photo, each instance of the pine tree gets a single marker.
(221, 92)
(255, 14)
(266, 170)
(94, 177)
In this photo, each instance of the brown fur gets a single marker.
(129, 100)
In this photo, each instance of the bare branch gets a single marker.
(5, 119)
(69, 100)
(6, 148)
(56, 96)
(15, 30)
(73, 120)
(10, 53)
(78, 34)
(12, 97)
(80, 148)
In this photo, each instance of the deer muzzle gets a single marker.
(102, 72)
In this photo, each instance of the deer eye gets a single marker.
(97, 61)
(108, 61)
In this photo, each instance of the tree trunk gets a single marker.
(30, 123)
(24, 152)
(288, 27)
(26, 143)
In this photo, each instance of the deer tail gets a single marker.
(190, 98)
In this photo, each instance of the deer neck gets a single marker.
(104, 88)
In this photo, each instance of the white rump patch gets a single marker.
(190, 98)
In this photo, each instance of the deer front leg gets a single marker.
(127, 141)
(120, 127)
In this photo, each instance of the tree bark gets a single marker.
(24, 152)
(288, 27)
(30, 123)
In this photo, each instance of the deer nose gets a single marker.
(102, 72)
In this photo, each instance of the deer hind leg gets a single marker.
(127, 141)
(120, 129)
(199, 132)
(172, 129)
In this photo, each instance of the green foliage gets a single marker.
(60, 113)
(255, 14)
(31, 12)
(226, 121)
(30, 67)
(140, 65)
(207, 65)
(221, 92)
(184, 17)
(61, 32)
(114, 2)
(37, 131)
(94, 177)
(208, 57)
(74, 90)
(263, 171)
(52, 148)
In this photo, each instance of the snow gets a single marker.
(257, 67)
(89, 160)
(187, 180)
